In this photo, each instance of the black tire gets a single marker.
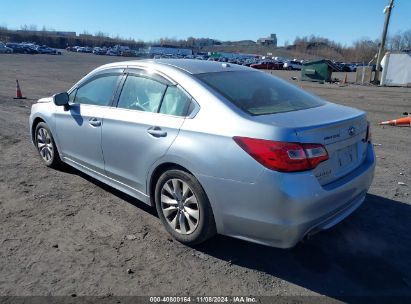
(206, 225)
(54, 161)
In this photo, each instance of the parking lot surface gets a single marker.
(63, 233)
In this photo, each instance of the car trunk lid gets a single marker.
(346, 145)
(342, 131)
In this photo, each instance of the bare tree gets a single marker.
(101, 34)
(406, 38)
(364, 50)
(394, 42)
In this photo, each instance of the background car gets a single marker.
(292, 65)
(113, 52)
(81, 49)
(5, 49)
(267, 65)
(22, 48)
(347, 67)
(44, 49)
(99, 51)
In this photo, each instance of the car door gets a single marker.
(78, 128)
(142, 127)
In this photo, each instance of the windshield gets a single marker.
(259, 93)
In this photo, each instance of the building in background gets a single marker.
(269, 41)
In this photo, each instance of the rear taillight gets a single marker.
(283, 156)
(368, 137)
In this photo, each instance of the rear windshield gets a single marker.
(259, 93)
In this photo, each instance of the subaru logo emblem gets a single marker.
(351, 131)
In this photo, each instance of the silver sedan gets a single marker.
(214, 147)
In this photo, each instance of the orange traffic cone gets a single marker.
(402, 122)
(18, 91)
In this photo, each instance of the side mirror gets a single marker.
(61, 99)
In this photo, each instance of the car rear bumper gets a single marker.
(279, 209)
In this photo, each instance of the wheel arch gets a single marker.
(36, 121)
(155, 175)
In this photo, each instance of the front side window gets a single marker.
(72, 96)
(98, 92)
(259, 93)
(175, 102)
(140, 93)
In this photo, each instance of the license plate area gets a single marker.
(346, 157)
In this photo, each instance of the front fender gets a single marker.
(45, 112)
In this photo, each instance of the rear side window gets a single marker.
(98, 92)
(175, 102)
(259, 93)
(140, 93)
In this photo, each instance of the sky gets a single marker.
(343, 21)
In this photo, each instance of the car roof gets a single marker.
(191, 66)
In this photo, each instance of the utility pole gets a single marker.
(387, 12)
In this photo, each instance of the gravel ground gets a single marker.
(63, 233)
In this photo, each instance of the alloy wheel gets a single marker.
(44, 144)
(180, 206)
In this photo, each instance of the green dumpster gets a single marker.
(319, 71)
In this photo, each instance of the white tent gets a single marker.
(396, 69)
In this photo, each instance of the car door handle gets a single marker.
(94, 122)
(156, 132)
